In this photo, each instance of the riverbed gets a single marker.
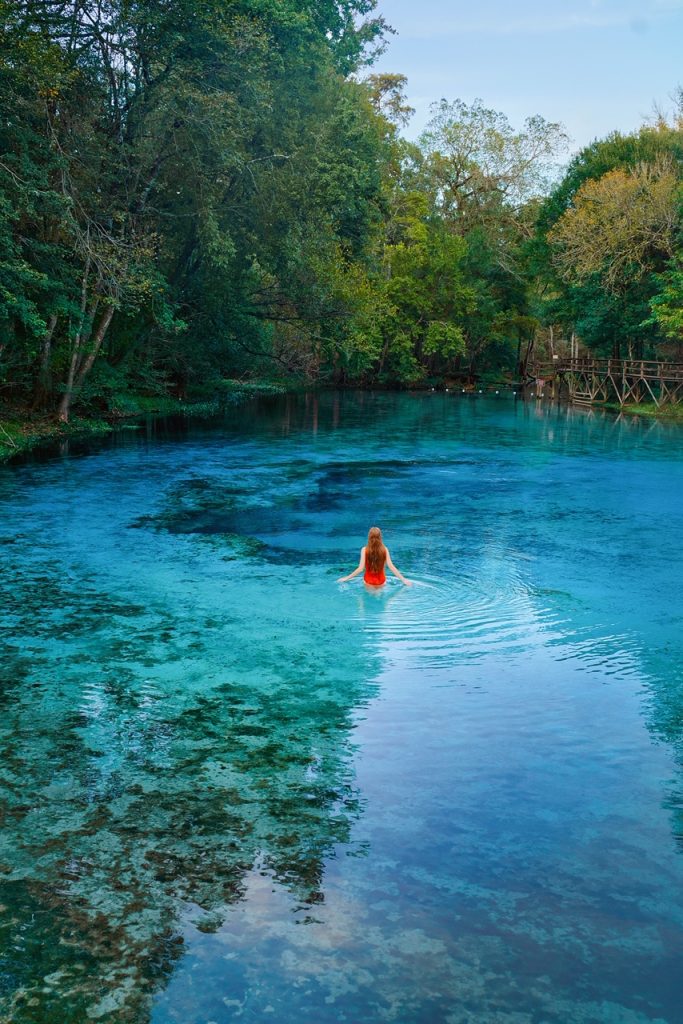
(234, 789)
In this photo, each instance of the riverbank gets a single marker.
(670, 413)
(21, 430)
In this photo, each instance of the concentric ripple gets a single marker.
(440, 622)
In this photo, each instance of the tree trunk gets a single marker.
(526, 357)
(75, 362)
(383, 356)
(64, 405)
(78, 373)
(41, 384)
(102, 328)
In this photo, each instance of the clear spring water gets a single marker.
(233, 790)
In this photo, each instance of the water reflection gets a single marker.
(233, 789)
(144, 778)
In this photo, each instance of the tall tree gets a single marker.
(605, 237)
(162, 145)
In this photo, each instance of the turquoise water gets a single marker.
(235, 790)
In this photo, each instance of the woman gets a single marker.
(373, 557)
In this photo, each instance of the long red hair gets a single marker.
(375, 552)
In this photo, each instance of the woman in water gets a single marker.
(373, 557)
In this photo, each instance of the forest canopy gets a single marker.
(197, 190)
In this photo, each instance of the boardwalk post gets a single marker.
(625, 381)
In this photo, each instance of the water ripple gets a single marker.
(440, 622)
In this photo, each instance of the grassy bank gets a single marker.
(18, 435)
(21, 430)
(670, 413)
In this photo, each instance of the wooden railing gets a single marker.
(650, 369)
(607, 380)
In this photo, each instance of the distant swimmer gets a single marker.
(373, 558)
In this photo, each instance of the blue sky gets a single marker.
(594, 65)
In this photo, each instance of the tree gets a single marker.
(482, 169)
(485, 179)
(426, 293)
(183, 174)
(388, 96)
(604, 236)
(621, 226)
(667, 303)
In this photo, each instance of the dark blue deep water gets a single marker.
(233, 790)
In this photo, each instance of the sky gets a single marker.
(594, 65)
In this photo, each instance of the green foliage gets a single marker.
(605, 251)
(428, 296)
(188, 166)
(482, 164)
(194, 192)
(667, 303)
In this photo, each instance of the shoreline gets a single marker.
(647, 410)
(20, 434)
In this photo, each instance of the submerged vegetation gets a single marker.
(196, 192)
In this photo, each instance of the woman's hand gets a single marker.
(361, 567)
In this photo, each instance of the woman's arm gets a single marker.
(361, 567)
(395, 571)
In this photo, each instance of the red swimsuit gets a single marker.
(375, 579)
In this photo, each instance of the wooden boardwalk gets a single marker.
(623, 381)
